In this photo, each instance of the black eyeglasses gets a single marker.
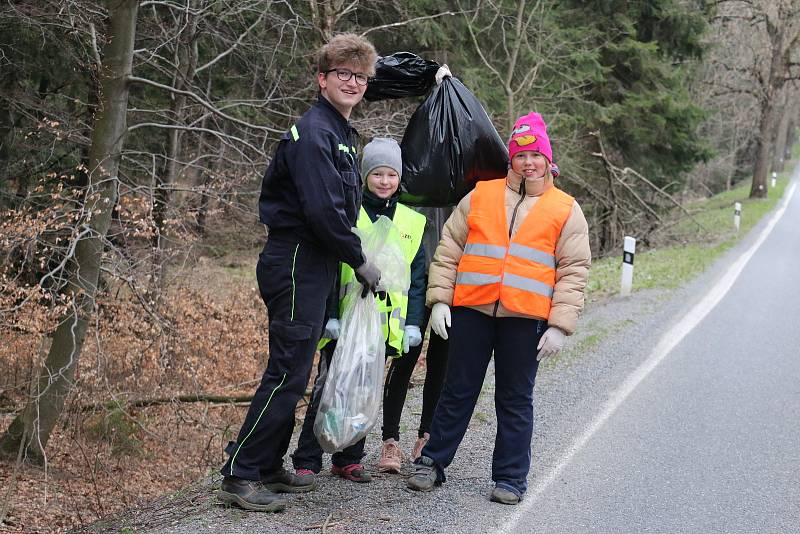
(345, 75)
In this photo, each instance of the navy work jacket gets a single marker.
(312, 188)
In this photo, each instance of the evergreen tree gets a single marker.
(641, 55)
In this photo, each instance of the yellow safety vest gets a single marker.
(411, 226)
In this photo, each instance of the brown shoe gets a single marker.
(504, 496)
(391, 457)
(250, 495)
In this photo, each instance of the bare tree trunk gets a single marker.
(324, 20)
(782, 136)
(186, 55)
(791, 135)
(56, 378)
(779, 65)
(93, 95)
(7, 82)
(609, 216)
(205, 144)
(205, 187)
(758, 189)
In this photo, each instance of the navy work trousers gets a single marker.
(473, 336)
(294, 279)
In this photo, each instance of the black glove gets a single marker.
(369, 276)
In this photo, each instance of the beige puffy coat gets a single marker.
(573, 256)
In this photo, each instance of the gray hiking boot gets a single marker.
(424, 477)
(283, 481)
(504, 496)
(250, 495)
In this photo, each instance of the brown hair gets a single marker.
(347, 48)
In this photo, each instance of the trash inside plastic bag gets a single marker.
(449, 145)
(351, 398)
(399, 75)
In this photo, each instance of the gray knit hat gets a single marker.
(381, 152)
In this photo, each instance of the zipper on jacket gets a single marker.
(514, 213)
(510, 228)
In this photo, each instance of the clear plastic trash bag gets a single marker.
(351, 397)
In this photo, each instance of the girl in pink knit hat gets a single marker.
(506, 282)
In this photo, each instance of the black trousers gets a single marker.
(308, 454)
(394, 394)
(294, 279)
(474, 338)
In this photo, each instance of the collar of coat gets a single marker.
(533, 186)
(334, 113)
(377, 204)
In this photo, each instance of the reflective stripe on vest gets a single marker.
(519, 273)
(487, 251)
(411, 226)
(529, 253)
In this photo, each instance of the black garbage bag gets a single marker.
(449, 145)
(399, 75)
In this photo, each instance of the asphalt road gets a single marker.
(709, 440)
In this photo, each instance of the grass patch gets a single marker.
(483, 417)
(693, 248)
(587, 343)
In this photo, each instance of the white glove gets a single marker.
(411, 337)
(332, 329)
(440, 319)
(442, 73)
(551, 343)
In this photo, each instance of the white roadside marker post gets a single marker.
(737, 215)
(629, 249)
(774, 178)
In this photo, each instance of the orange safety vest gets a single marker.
(520, 273)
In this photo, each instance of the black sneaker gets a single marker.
(424, 477)
(504, 496)
(250, 495)
(283, 481)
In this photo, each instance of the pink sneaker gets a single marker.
(391, 457)
(419, 445)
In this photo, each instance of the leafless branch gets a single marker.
(202, 102)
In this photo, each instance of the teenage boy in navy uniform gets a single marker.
(310, 199)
